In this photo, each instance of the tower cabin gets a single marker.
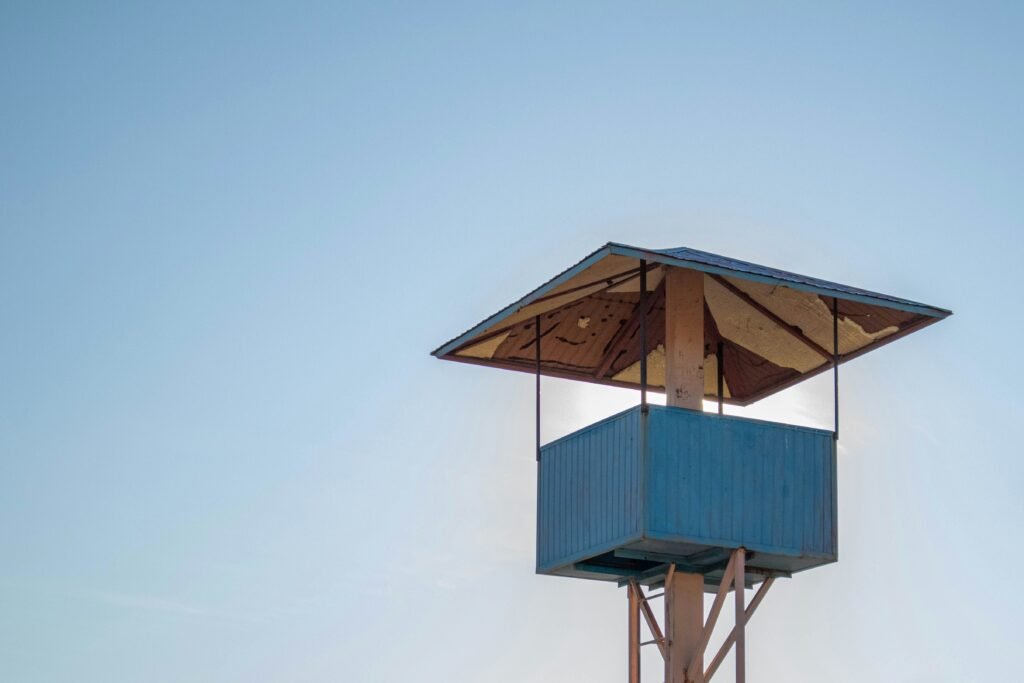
(671, 496)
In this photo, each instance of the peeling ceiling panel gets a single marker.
(775, 327)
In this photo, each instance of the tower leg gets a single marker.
(684, 626)
(739, 588)
(634, 633)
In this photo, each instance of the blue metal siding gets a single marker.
(588, 498)
(723, 481)
(677, 481)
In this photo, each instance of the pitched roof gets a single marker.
(775, 327)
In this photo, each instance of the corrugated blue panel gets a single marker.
(588, 491)
(678, 483)
(726, 482)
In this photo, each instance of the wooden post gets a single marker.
(684, 388)
(684, 626)
(739, 587)
(709, 673)
(684, 338)
(632, 591)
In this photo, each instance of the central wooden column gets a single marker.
(684, 388)
(684, 338)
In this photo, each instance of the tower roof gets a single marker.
(775, 327)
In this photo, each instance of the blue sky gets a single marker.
(231, 234)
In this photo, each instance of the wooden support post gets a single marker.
(731, 638)
(684, 617)
(684, 338)
(632, 591)
(684, 388)
(739, 588)
(716, 608)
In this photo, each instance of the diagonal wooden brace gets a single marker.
(731, 638)
(648, 614)
(716, 608)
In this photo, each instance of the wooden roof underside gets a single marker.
(772, 335)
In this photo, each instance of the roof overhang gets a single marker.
(775, 326)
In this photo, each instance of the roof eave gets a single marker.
(564, 276)
(666, 259)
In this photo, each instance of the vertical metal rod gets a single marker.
(719, 353)
(835, 366)
(536, 325)
(643, 335)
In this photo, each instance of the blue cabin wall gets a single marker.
(729, 482)
(589, 491)
(677, 484)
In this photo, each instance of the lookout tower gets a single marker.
(671, 497)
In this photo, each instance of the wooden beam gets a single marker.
(684, 388)
(716, 608)
(739, 590)
(793, 330)
(634, 632)
(652, 623)
(608, 282)
(653, 299)
(684, 338)
(731, 638)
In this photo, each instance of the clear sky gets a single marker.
(231, 233)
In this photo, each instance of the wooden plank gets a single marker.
(653, 299)
(724, 650)
(684, 338)
(793, 330)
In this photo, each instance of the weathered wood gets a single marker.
(615, 346)
(731, 638)
(684, 617)
(652, 623)
(632, 591)
(608, 282)
(716, 608)
(739, 582)
(793, 330)
(684, 338)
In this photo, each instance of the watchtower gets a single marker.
(670, 496)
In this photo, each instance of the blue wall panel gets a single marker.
(677, 480)
(726, 482)
(589, 487)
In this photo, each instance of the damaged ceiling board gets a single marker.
(813, 317)
(775, 327)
